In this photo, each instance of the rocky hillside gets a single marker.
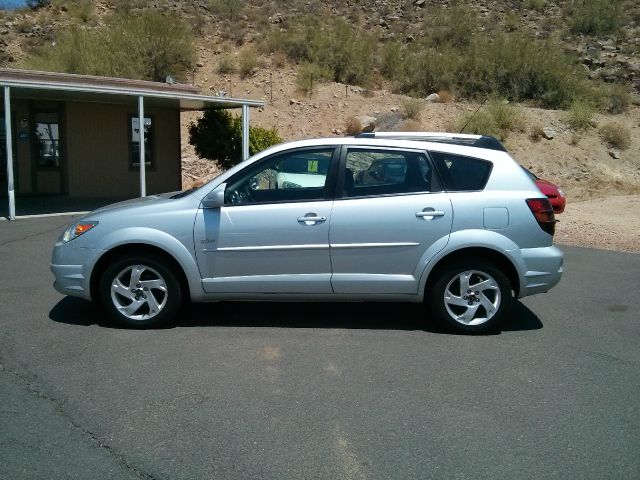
(585, 161)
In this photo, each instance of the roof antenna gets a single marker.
(474, 114)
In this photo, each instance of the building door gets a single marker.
(47, 150)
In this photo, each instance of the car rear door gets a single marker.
(389, 218)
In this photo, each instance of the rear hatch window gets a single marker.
(460, 173)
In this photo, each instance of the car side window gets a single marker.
(300, 175)
(460, 173)
(386, 172)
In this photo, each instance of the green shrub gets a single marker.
(146, 45)
(81, 10)
(580, 115)
(617, 99)
(347, 53)
(247, 61)
(616, 135)
(226, 63)
(537, 5)
(310, 75)
(479, 123)
(594, 17)
(507, 118)
(411, 108)
(217, 136)
(229, 9)
(392, 60)
(454, 26)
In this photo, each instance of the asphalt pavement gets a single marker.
(319, 391)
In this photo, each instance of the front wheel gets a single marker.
(140, 291)
(470, 296)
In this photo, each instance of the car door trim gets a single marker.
(262, 248)
(374, 245)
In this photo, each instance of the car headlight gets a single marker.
(76, 229)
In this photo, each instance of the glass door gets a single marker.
(47, 151)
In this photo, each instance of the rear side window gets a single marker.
(372, 172)
(460, 173)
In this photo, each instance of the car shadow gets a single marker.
(372, 316)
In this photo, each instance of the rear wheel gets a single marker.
(140, 291)
(470, 296)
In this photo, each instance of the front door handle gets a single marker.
(311, 219)
(429, 213)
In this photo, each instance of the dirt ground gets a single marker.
(610, 223)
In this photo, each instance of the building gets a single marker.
(79, 136)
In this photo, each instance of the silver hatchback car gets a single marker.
(445, 219)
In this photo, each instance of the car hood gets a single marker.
(135, 202)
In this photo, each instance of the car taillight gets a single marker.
(542, 210)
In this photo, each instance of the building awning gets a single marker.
(36, 85)
(86, 88)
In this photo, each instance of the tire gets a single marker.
(150, 301)
(470, 310)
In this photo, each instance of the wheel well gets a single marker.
(134, 249)
(478, 252)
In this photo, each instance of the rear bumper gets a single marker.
(543, 269)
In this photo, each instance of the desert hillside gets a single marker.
(330, 68)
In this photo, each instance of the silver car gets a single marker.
(448, 220)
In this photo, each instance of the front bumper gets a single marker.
(71, 267)
(543, 269)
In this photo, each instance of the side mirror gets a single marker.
(215, 198)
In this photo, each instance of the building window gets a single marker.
(134, 141)
(47, 129)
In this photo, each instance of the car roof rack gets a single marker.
(464, 139)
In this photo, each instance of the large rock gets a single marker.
(549, 133)
(433, 98)
(368, 123)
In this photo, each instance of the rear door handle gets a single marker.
(430, 212)
(311, 219)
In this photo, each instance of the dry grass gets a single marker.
(410, 125)
(411, 108)
(278, 60)
(616, 135)
(536, 133)
(445, 96)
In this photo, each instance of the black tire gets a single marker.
(141, 303)
(492, 301)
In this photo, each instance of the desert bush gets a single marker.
(479, 123)
(226, 63)
(310, 75)
(146, 45)
(247, 61)
(217, 136)
(510, 65)
(616, 135)
(391, 60)
(594, 17)
(278, 60)
(445, 96)
(80, 10)
(411, 108)
(580, 115)
(336, 47)
(454, 25)
(536, 133)
(352, 126)
(506, 117)
(228, 9)
(537, 5)
(617, 99)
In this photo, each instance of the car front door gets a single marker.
(390, 216)
(272, 234)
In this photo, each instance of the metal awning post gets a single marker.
(9, 150)
(143, 179)
(245, 131)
